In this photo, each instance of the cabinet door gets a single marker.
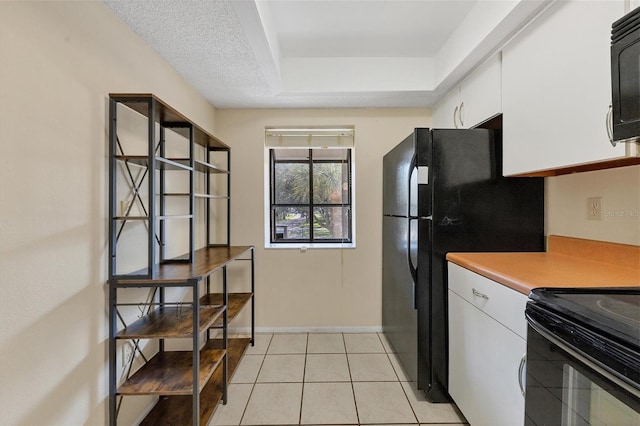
(443, 114)
(475, 100)
(556, 88)
(484, 361)
(481, 94)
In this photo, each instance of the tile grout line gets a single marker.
(353, 391)
(304, 372)
(399, 379)
(253, 385)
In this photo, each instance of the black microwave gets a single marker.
(625, 78)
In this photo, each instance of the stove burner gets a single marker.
(624, 311)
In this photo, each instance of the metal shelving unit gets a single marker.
(190, 383)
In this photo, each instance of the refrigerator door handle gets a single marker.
(412, 256)
(412, 193)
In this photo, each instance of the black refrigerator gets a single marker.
(443, 192)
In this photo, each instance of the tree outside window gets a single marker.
(311, 195)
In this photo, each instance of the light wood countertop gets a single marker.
(568, 262)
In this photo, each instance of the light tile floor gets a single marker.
(326, 379)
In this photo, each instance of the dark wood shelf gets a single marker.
(169, 117)
(171, 373)
(237, 301)
(170, 322)
(177, 410)
(206, 261)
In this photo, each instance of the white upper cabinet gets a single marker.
(475, 100)
(556, 88)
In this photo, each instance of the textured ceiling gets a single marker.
(311, 53)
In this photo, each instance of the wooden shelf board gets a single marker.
(171, 373)
(168, 116)
(177, 410)
(237, 301)
(170, 322)
(207, 260)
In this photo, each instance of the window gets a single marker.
(310, 191)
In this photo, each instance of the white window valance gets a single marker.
(317, 137)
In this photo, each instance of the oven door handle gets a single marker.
(522, 374)
(583, 358)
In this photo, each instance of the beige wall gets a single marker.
(322, 288)
(620, 190)
(58, 62)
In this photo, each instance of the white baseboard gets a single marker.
(247, 330)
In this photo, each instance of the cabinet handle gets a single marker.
(609, 125)
(522, 371)
(461, 114)
(478, 294)
(455, 115)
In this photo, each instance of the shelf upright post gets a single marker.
(192, 200)
(152, 188)
(253, 299)
(208, 199)
(228, 197)
(161, 189)
(113, 384)
(196, 351)
(112, 261)
(225, 333)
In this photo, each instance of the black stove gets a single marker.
(601, 323)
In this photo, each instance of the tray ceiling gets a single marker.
(324, 53)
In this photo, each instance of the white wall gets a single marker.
(58, 62)
(567, 205)
(322, 288)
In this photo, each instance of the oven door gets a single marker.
(565, 388)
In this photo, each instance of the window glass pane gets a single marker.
(331, 223)
(291, 184)
(330, 183)
(291, 223)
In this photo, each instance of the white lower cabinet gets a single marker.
(487, 343)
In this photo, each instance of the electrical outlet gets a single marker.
(127, 353)
(594, 208)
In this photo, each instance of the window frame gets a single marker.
(271, 239)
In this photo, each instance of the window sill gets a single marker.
(304, 247)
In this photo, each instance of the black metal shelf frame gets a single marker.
(156, 159)
(154, 167)
(157, 290)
